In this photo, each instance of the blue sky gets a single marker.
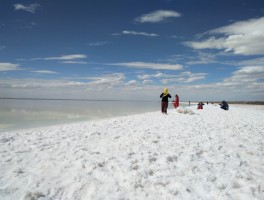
(202, 50)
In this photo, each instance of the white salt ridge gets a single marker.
(209, 154)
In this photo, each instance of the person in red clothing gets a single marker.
(176, 101)
(164, 101)
(200, 105)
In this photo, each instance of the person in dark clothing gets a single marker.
(165, 100)
(224, 105)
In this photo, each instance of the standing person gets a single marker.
(176, 101)
(165, 101)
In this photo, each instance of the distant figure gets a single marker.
(189, 103)
(165, 101)
(176, 101)
(200, 105)
(224, 105)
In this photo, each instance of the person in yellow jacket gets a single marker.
(165, 100)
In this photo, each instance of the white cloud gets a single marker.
(184, 77)
(29, 8)
(255, 61)
(29, 83)
(244, 38)
(148, 78)
(139, 33)
(44, 72)
(95, 83)
(246, 83)
(211, 43)
(158, 75)
(67, 57)
(132, 83)
(246, 75)
(147, 81)
(203, 58)
(191, 77)
(9, 67)
(107, 81)
(145, 65)
(74, 62)
(145, 76)
(157, 16)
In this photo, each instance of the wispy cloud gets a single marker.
(64, 57)
(107, 81)
(156, 75)
(244, 38)
(29, 8)
(188, 77)
(157, 16)
(29, 83)
(147, 82)
(74, 62)
(183, 77)
(203, 58)
(145, 65)
(9, 67)
(136, 33)
(67, 57)
(252, 62)
(44, 72)
(131, 83)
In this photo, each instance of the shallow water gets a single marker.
(27, 113)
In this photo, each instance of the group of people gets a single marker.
(165, 95)
(165, 100)
(224, 105)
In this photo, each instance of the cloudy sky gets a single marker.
(131, 49)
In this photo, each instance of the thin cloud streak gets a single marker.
(145, 65)
(9, 67)
(139, 33)
(44, 72)
(64, 57)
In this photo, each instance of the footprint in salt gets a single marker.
(152, 159)
(172, 158)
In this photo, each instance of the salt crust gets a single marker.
(208, 154)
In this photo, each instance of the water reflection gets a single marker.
(17, 113)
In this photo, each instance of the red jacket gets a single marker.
(176, 102)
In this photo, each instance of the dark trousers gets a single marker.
(164, 106)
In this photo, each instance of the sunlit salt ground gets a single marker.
(20, 113)
(208, 154)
